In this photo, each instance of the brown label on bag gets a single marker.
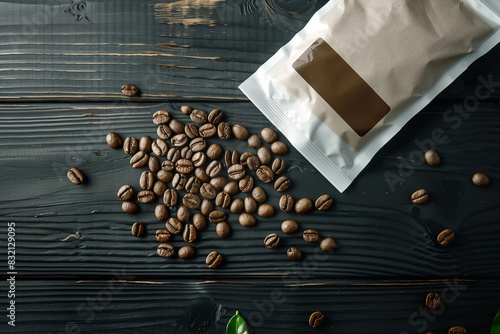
(341, 87)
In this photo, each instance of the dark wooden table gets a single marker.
(60, 76)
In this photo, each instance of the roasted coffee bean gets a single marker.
(236, 172)
(174, 225)
(224, 130)
(191, 130)
(138, 229)
(147, 180)
(199, 159)
(265, 174)
(162, 235)
(186, 252)
(286, 203)
(176, 126)
(231, 158)
(145, 144)
(264, 155)
(316, 319)
(183, 214)
(161, 212)
(259, 194)
(129, 207)
(206, 207)
(199, 116)
(457, 330)
(208, 191)
(164, 132)
(193, 185)
(170, 197)
(310, 235)
(265, 210)
(164, 176)
(76, 176)
(214, 151)
(432, 300)
(278, 166)
(213, 260)
(165, 250)
(324, 202)
(186, 110)
(289, 226)
(253, 162)
(179, 140)
(161, 117)
(154, 164)
(269, 135)
(159, 147)
(223, 200)
(231, 188)
(245, 156)
(237, 205)
(219, 182)
(192, 201)
(215, 116)
(327, 245)
(480, 179)
(214, 168)
(138, 160)
(179, 181)
(198, 144)
(432, 158)
(168, 165)
(294, 254)
(189, 234)
(235, 157)
(145, 196)
(173, 154)
(129, 90)
(114, 140)
(208, 130)
(247, 220)
(199, 221)
(272, 240)
(201, 174)
(125, 193)
(240, 132)
(246, 184)
(303, 205)
(184, 166)
(250, 204)
(217, 216)
(446, 237)
(279, 148)
(186, 153)
(419, 196)
(130, 145)
(223, 229)
(254, 141)
(282, 184)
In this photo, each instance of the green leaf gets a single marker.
(495, 326)
(237, 325)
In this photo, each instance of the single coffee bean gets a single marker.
(191, 130)
(236, 172)
(192, 201)
(161, 117)
(174, 225)
(201, 174)
(316, 319)
(164, 132)
(272, 240)
(129, 207)
(214, 168)
(253, 162)
(145, 144)
(419, 196)
(164, 176)
(432, 158)
(259, 194)
(250, 204)
(279, 148)
(240, 132)
(159, 147)
(138, 160)
(162, 235)
(214, 151)
(446, 237)
(199, 116)
(269, 135)
(254, 141)
(278, 166)
(223, 200)
(218, 182)
(199, 221)
(237, 205)
(207, 130)
(303, 205)
(327, 245)
(286, 203)
(289, 226)
(189, 234)
(173, 154)
(265, 174)
(76, 176)
(179, 181)
(192, 185)
(186, 153)
(176, 126)
(265, 210)
(215, 116)
(480, 179)
(223, 229)
(184, 166)
(213, 259)
(154, 164)
(206, 207)
(183, 214)
(186, 110)
(324, 202)
(147, 180)
(198, 144)
(282, 184)
(145, 196)
(138, 229)
(114, 140)
(310, 235)
(125, 193)
(130, 145)
(170, 197)
(179, 140)
(224, 130)
(264, 155)
(199, 159)
(231, 188)
(246, 184)
(245, 157)
(208, 191)
(161, 212)
(186, 252)
(294, 254)
(159, 188)
(457, 330)
(217, 216)
(165, 250)
(168, 165)
(432, 300)
(235, 157)
(129, 90)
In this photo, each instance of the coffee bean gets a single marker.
(286, 203)
(245, 157)
(138, 229)
(269, 135)
(235, 157)
(215, 116)
(289, 226)
(224, 130)
(192, 185)
(189, 234)
(186, 252)
(231, 188)
(457, 330)
(161, 212)
(184, 166)
(199, 159)
(217, 216)
(176, 126)
(208, 130)
(186, 110)
(303, 205)
(237, 205)
(186, 153)
(236, 172)
(253, 162)
(480, 179)
(191, 130)
(76, 176)
(201, 174)
(174, 225)
(254, 141)
(208, 191)
(125, 193)
(231, 158)
(265, 174)
(192, 201)
(223, 199)
(250, 204)
(147, 180)
(161, 117)
(246, 184)
(179, 140)
(159, 188)
(432, 158)
(327, 245)
(279, 148)
(419, 196)
(162, 235)
(164, 176)
(168, 165)
(223, 229)
(199, 221)
(198, 116)
(213, 259)
(265, 210)
(129, 207)
(164, 132)
(214, 151)
(129, 90)
(114, 140)
(198, 144)
(183, 214)
(294, 254)
(282, 184)
(316, 319)
(324, 202)
(259, 194)
(264, 155)
(240, 132)
(154, 164)
(145, 144)
(206, 207)
(170, 198)
(138, 160)
(173, 154)
(130, 145)
(159, 147)
(179, 181)
(278, 166)
(145, 196)
(165, 250)
(310, 235)
(219, 182)
(272, 240)
(446, 237)
(214, 168)
(432, 300)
